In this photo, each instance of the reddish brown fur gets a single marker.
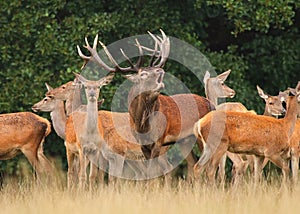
(246, 133)
(24, 132)
(177, 111)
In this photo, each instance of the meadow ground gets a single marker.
(143, 198)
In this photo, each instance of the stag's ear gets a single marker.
(49, 88)
(106, 80)
(132, 77)
(206, 77)
(261, 93)
(224, 75)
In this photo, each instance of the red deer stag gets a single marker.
(156, 120)
(25, 132)
(246, 133)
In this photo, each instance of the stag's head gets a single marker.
(146, 79)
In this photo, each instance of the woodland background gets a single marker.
(258, 40)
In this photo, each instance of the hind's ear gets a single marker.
(49, 88)
(224, 75)
(106, 80)
(261, 93)
(206, 77)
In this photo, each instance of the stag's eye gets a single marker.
(63, 87)
(144, 75)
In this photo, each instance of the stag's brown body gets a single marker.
(24, 132)
(179, 113)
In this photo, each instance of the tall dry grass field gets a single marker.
(18, 197)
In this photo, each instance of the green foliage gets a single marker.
(257, 15)
(258, 40)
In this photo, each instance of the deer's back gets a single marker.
(246, 132)
(183, 110)
(19, 129)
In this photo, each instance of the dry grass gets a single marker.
(127, 197)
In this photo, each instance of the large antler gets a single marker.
(96, 58)
(162, 54)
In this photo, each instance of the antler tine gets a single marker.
(153, 55)
(85, 58)
(154, 37)
(164, 46)
(94, 55)
(140, 60)
(127, 58)
(165, 50)
(127, 69)
(109, 55)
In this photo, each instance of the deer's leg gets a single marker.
(44, 160)
(202, 162)
(30, 153)
(103, 165)
(295, 168)
(238, 168)
(191, 161)
(72, 168)
(92, 176)
(258, 167)
(250, 161)
(83, 163)
(215, 161)
(186, 148)
(283, 164)
(222, 166)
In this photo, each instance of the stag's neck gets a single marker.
(74, 102)
(58, 118)
(140, 110)
(92, 117)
